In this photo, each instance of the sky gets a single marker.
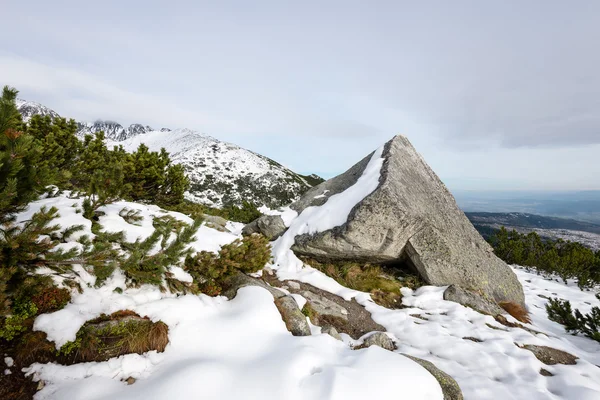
(498, 95)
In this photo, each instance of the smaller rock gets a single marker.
(380, 339)
(545, 372)
(551, 356)
(236, 282)
(40, 385)
(450, 388)
(331, 331)
(251, 228)
(295, 321)
(130, 381)
(323, 306)
(293, 284)
(473, 339)
(271, 226)
(472, 299)
(215, 222)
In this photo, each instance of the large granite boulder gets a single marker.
(410, 221)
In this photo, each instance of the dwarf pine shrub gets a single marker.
(247, 255)
(575, 321)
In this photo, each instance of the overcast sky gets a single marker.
(495, 95)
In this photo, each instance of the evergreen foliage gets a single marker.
(151, 177)
(24, 172)
(247, 255)
(23, 248)
(574, 321)
(60, 146)
(569, 260)
(245, 214)
(142, 265)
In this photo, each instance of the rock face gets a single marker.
(449, 386)
(470, 299)
(328, 310)
(551, 356)
(410, 221)
(271, 226)
(380, 339)
(295, 321)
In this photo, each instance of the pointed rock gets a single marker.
(410, 221)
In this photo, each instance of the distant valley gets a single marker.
(586, 233)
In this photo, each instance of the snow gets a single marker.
(220, 349)
(8, 361)
(329, 215)
(496, 368)
(212, 165)
(62, 326)
(286, 214)
(238, 349)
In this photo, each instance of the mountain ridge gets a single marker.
(220, 173)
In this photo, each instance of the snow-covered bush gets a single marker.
(209, 269)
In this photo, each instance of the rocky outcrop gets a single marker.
(331, 331)
(449, 386)
(295, 321)
(328, 310)
(379, 339)
(551, 356)
(410, 221)
(215, 222)
(271, 226)
(291, 315)
(473, 300)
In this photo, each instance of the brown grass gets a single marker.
(34, 347)
(108, 336)
(516, 311)
(381, 283)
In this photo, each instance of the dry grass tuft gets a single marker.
(34, 347)
(108, 336)
(516, 311)
(381, 283)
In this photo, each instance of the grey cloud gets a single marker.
(462, 77)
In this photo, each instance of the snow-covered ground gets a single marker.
(240, 349)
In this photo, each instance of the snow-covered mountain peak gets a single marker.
(30, 108)
(113, 130)
(220, 173)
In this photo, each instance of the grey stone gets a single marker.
(324, 306)
(271, 226)
(410, 220)
(236, 282)
(294, 285)
(551, 356)
(215, 222)
(450, 388)
(473, 300)
(358, 321)
(331, 331)
(295, 321)
(380, 339)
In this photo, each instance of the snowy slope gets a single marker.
(218, 349)
(113, 130)
(493, 366)
(223, 172)
(240, 349)
(220, 173)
